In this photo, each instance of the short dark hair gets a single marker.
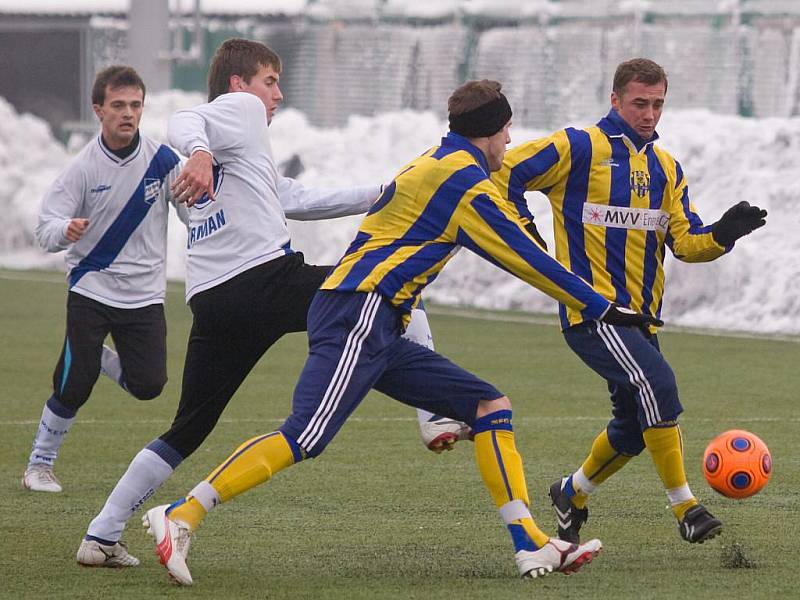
(115, 76)
(241, 57)
(471, 95)
(642, 70)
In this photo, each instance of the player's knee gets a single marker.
(627, 442)
(486, 407)
(145, 390)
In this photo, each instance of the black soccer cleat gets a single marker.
(569, 517)
(699, 525)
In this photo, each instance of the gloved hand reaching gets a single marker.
(624, 317)
(738, 221)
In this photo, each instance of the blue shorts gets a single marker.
(642, 384)
(356, 344)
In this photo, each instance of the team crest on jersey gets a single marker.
(152, 187)
(640, 183)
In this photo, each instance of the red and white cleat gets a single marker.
(172, 542)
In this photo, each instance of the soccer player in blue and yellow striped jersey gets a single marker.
(618, 202)
(442, 200)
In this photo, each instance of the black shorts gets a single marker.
(233, 325)
(140, 337)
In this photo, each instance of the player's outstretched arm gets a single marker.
(738, 221)
(311, 204)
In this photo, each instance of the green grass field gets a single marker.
(378, 516)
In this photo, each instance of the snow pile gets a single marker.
(726, 159)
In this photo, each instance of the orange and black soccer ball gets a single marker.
(737, 464)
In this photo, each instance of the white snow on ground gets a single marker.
(726, 158)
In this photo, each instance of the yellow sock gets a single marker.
(190, 513)
(252, 463)
(500, 466)
(603, 461)
(666, 448)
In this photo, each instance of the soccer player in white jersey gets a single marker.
(245, 285)
(108, 210)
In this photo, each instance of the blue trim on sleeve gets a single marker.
(133, 213)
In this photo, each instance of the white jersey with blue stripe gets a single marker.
(245, 225)
(120, 260)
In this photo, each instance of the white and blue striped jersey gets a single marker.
(120, 260)
(246, 225)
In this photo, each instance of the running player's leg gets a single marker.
(641, 382)
(233, 326)
(422, 378)
(73, 379)
(140, 338)
(351, 337)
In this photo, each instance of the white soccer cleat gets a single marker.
(557, 555)
(172, 542)
(92, 553)
(442, 434)
(40, 478)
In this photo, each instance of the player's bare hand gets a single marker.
(75, 229)
(196, 179)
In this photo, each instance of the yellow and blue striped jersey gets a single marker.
(617, 202)
(439, 201)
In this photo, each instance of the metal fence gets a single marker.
(556, 66)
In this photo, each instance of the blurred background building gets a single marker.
(342, 57)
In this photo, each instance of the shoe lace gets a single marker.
(45, 473)
(183, 539)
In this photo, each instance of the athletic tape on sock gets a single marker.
(679, 495)
(206, 495)
(514, 511)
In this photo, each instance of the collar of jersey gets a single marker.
(120, 161)
(459, 142)
(615, 126)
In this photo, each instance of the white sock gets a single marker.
(206, 495)
(679, 495)
(110, 366)
(419, 331)
(49, 437)
(144, 476)
(581, 483)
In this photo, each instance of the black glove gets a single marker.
(530, 227)
(738, 221)
(624, 317)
